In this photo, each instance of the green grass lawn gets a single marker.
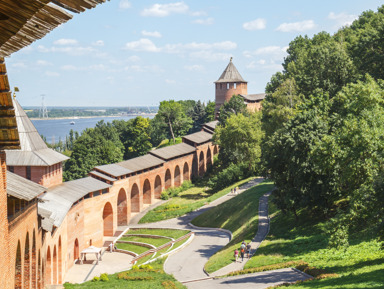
(186, 202)
(154, 278)
(172, 233)
(240, 216)
(361, 265)
(132, 247)
(153, 241)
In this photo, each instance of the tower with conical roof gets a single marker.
(230, 83)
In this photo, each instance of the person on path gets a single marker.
(243, 245)
(236, 254)
(249, 249)
(242, 254)
(231, 191)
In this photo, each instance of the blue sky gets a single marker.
(131, 52)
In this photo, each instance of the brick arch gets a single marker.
(18, 269)
(34, 265)
(158, 187)
(122, 208)
(40, 271)
(59, 262)
(108, 219)
(186, 175)
(201, 164)
(48, 267)
(54, 266)
(215, 150)
(76, 250)
(27, 263)
(195, 166)
(177, 177)
(168, 179)
(147, 198)
(209, 157)
(135, 199)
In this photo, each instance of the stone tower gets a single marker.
(230, 83)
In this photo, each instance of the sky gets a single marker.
(138, 53)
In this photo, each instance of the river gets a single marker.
(55, 129)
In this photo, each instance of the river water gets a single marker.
(55, 129)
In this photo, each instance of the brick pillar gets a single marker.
(6, 281)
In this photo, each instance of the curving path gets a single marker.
(187, 264)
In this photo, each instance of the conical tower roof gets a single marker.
(34, 151)
(230, 74)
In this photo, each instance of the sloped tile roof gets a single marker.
(199, 137)
(34, 151)
(173, 151)
(253, 97)
(230, 74)
(22, 188)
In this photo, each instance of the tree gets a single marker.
(239, 140)
(210, 112)
(235, 106)
(96, 146)
(198, 116)
(172, 113)
(280, 106)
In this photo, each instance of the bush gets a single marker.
(95, 279)
(228, 176)
(175, 191)
(104, 277)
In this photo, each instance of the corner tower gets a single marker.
(230, 83)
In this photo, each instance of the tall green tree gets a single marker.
(240, 139)
(172, 114)
(235, 106)
(198, 116)
(210, 112)
(96, 146)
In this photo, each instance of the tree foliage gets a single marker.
(96, 146)
(234, 106)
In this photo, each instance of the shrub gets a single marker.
(146, 266)
(95, 279)
(168, 285)
(164, 195)
(228, 176)
(104, 277)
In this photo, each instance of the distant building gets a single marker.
(232, 83)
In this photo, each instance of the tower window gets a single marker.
(11, 169)
(221, 86)
(234, 85)
(227, 85)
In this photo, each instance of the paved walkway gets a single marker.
(259, 280)
(255, 243)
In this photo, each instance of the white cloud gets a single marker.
(342, 19)
(194, 67)
(124, 4)
(170, 81)
(156, 34)
(147, 45)
(98, 43)
(257, 24)
(143, 44)
(199, 13)
(19, 65)
(210, 55)
(297, 26)
(207, 21)
(69, 67)
(52, 74)
(163, 10)
(134, 58)
(267, 50)
(65, 41)
(43, 63)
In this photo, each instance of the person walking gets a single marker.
(249, 249)
(236, 254)
(242, 254)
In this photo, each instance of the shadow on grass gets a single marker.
(359, 265)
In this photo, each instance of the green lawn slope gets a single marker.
(361, 265)
(240, 216)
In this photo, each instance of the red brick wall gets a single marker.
(223, 94)
(254, 106)
(46, 176)
(5, 264)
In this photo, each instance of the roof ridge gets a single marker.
(230, 74)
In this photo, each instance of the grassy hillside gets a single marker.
(361, 265)
(240, 216)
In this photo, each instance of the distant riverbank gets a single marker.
(150, 115)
